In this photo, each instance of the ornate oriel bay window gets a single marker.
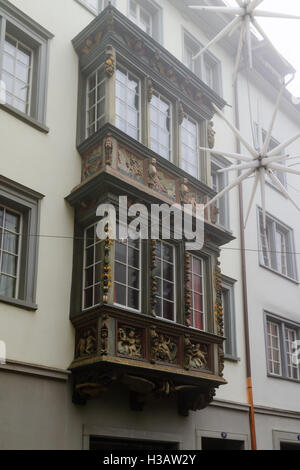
(147, 313)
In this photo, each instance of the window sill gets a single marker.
(19, 303)
(280, 377)
(229, 358)
(24, 118)
(295, 281)
(84, 5)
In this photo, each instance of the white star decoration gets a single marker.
(244, 16)
(261, 163)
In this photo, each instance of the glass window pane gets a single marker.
(120, 273)
(9, 264)
(7, 286)
(133, 299)
(120, 294)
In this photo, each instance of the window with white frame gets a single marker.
(189, 146)
(166, 283)
(127, 277)
(92, 268)
(17, 70)
(128, 103)
(218, 182)
(140, 16)
(95, 101)
(228, 304)
(10, 251)
(160, 125)
(96, 6)
(147, 15)
(19, 231)
(281, 344)
(206, 66)
(23, 52)
(277, 247)
(197, 287)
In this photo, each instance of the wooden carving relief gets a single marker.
(218, 304)
(92, 162)
(130, 341)
(130, 165)
(86, 344)
(164, 348)
(195, 355)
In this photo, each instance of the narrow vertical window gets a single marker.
(274, 350)
(197, 291)
(189, 147)
(127, 273)
(160, 126)
(165, 277)
(290, 338)
(95, 102)
(17, 66)
(127, 103)
(10, 248)
(140, 16)
(92, 268)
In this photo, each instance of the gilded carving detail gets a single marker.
(130, 165)
(129, 342)
(211, 135)
(106, 277)
(87, 342)
(187, 293)
(92, 42)
(104, 337)
(153, 300)
(218, 305)
(92, 162)
(221, 361)
(160, 182)
(163, 347)
(110, 62)
(195, 355)
(108, 149)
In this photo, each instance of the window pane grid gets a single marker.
(290, 338)
(17, 65)
(10, 251)
(276, 247)
(140, 16)
(274, 350)
(165, 277)
(127, 103)
(95, 101)
(189, 146)
(92, 268)
(197, 291)
(160, 126)
(127, 282)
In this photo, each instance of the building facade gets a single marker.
(120, 343)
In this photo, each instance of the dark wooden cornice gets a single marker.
(113, 28)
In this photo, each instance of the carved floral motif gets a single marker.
(106, 277)
(92, 42)
(153, 300)
(158, 181)
(129, 342)
(104, 337)
(187, 289)
(218, 305)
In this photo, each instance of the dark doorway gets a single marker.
(221, 444)
(100, 443)
(289, 446)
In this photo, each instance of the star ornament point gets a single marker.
(245, 15)
(261, 163)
